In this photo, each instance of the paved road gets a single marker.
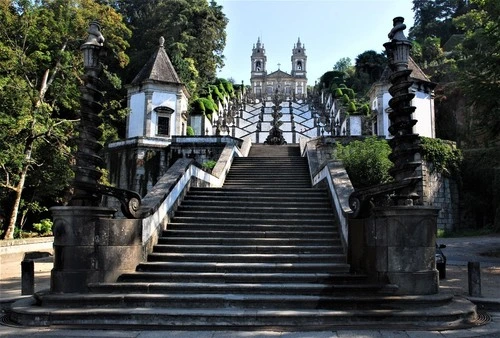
(460, 250)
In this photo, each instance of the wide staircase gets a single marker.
(264, 251)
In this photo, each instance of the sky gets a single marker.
(329, 29)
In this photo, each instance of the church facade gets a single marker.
(293, 85)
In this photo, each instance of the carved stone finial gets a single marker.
(396, 32)
(162, 41)
(95, 37)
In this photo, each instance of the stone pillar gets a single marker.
(399, 248)
(90, 247)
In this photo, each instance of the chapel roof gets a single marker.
(417, 73)
(158, 68)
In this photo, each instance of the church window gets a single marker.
(258, 66)
(163, 125)
(299, 65)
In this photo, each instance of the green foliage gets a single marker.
(432, 53)
(190, 131)
(331, 79)
(197, 107)
(44, 227)
(364, 109)
(225, 87)
(343, 65)
(369, 67)
(194, 32)
(351, 107)
(435, 18)
(216, 95)
(366, 162)
(210, 107)
(480, 68)
(40, 72)
(209, 165)
(444, 156)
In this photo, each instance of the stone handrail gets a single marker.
(340, 188)
(331, 175)
(160, 202)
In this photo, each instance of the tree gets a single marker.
(369, 68)
(194, 32)
(480, 68)
(435, 18)
(432, 53)
(40, 70)
(343, 65)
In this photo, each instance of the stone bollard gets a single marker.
(474, 272)
(27, 277)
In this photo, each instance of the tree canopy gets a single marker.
(40, 71)
(194, 32)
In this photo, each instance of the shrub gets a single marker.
(444, 156)
(208, 165)
(189, 131)
(366, 162)
(44, 228)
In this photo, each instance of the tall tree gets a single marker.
(369, 67)
(480, 68)
(40, 70)
(194, 32)
(435, 18)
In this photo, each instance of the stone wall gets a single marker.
(440, 191)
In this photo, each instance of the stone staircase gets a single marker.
(262, 252)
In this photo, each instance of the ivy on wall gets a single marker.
(445, 157)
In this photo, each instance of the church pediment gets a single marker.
(279, 74)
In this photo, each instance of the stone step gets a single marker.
(237, 185)
(260, 249)
(213, 219)
(237, 196)
(236, 300)
(331, 229)
(241, 277)
(250, 210)
(224, 233)
(429, 315)
(263, 174)
(293, 288)
(247, 267)
(267, 215)
(250, 241)
(208, 201)
(244, 258)
(262, 192)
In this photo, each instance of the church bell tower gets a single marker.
(299, 69)
(259, 72)
(299, 60)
